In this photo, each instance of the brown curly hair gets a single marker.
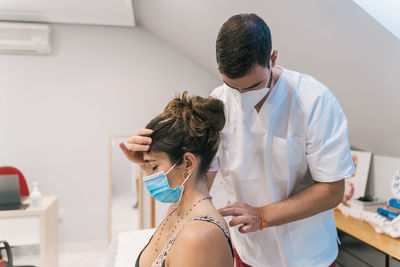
(188, 124)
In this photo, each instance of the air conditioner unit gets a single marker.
(24, 38)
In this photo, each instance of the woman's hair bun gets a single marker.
(199, 115)
(189, 124)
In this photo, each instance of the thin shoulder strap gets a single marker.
(211, 219)
(221, 225)
(163, 255)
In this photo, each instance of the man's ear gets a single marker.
(274, 56)
(189, 162)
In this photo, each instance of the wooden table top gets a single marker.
(366, 233)
(47, 201)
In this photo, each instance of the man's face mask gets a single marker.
(158, 187)
(251, 98)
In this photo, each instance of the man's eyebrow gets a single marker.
(254, 85)
(149, 160)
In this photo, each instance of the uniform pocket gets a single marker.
(296, 155)
(287, 157)
(279, 159)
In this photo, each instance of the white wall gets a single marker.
(123, 172)
(334, 40)
(58, 111)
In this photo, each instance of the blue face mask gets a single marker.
(158, 187)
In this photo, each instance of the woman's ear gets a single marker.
(189, 162)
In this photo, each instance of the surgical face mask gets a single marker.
(251, 98)
(158, 187)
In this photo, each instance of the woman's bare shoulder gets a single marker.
(201, 243)
(201, 230)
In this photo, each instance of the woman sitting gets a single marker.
(184, 140)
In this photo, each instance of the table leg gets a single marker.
(49, 237)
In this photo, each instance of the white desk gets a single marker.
(34, 226)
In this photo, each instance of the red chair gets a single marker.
(24, 192)
(9, 260)
(23, 187)
(4, 245)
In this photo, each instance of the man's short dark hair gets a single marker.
(243, 41)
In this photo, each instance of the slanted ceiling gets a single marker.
(386, 12)
(334, 40)
(97, 12)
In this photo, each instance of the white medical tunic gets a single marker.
(299, 137)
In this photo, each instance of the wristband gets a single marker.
(263, 223)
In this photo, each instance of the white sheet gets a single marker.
(129, 245)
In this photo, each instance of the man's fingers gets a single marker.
(136, 147)
(141, 140)
(230, 212)
(141, 137)
(243, 222)
(237, 220)
(143, 132)
(244, 229)
(124, 148)
(232, 205)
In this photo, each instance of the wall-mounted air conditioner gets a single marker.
(97, 12)
(24, 38)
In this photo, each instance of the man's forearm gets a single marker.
(308, 202)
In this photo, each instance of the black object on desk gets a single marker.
(10, 198)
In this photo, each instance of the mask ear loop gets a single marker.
(170, 168)
(183, 187)
(184, 181)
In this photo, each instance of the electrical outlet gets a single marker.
(60, 215)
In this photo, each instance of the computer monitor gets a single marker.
(10, 198)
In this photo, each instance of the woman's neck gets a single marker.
(194, 191)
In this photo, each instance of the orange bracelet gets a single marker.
(263, 223)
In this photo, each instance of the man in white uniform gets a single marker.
(284, 152)
(283, 156)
